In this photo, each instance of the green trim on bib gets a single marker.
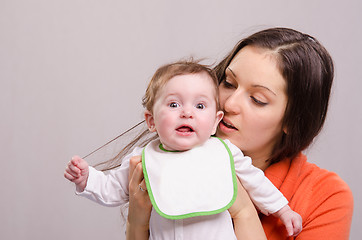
(193, 214)
(165, 150)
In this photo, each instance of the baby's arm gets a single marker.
(291, 220)
(106, 188)
(77, 171)
(264, 194)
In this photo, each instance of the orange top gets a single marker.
(322, 198)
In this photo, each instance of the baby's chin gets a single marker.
(176, 149)
(179, 147)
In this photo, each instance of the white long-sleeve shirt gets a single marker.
(111, 189)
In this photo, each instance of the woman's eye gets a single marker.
(227, 84)
(200, 106)
(174, 105)
(258, 102)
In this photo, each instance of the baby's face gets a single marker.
(185, 113)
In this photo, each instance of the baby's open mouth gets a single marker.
(185, 129)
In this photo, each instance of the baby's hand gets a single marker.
(77, 171)
(291, 220)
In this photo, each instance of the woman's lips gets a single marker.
(226, 126)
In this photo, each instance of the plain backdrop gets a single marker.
(73, 72)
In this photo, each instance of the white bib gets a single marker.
(200, 181)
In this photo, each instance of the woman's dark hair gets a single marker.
(308, 71)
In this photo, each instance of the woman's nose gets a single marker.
(232, 103)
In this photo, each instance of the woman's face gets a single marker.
(253, 98)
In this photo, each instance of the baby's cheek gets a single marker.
(206, 129)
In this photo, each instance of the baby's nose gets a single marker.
(187, 112)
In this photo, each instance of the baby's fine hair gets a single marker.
(168, 71)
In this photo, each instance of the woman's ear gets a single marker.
(150, 121)
(285, 131)
(219, 116)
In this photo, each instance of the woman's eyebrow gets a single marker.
(257, 86)
(261, 86)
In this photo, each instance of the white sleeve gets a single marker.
(111, 188)
(261, 190)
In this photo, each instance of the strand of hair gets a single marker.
(89, 154)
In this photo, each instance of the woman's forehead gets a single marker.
(258, 67)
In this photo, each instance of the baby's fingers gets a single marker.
(289, 228)
(69, 176)
(80, 163)
(73, 169)
(71, 172)
(297, 225)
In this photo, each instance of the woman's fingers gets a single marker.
(133, 162)
(142, 186)
(136, 180)
(137, 183)
(139, 202)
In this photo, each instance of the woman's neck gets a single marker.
(259, 160)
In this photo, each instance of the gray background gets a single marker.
(72, 74)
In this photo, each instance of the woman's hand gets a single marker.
(247, 224)
(139, 202)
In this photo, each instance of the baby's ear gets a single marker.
(150, 121)
(219, 116)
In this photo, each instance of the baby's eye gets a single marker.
(174, 105)
(200, 106)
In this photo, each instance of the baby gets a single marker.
(190, 176)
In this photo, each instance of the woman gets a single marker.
(274, 90)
